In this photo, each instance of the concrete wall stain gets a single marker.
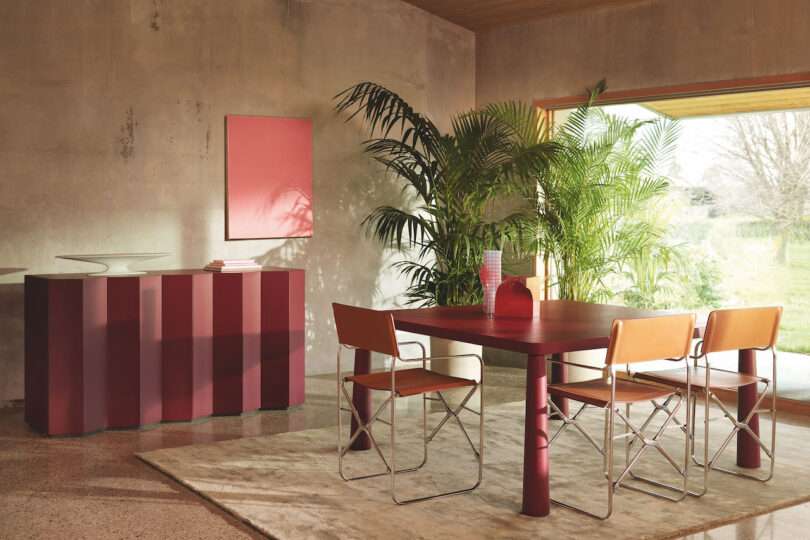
(127, 138)
(155, 23)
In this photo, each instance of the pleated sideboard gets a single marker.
(177, 345)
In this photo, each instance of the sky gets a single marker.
(697, 144)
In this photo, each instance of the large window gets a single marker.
(737, 215)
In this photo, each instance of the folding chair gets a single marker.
(728, 329)
(360, 328)
(631, 341)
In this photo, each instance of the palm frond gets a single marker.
(389, 225)
(384, 110)
(590, 212)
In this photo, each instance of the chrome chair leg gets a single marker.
(451, 413)
(690, 426)
(367, 428)
(572, 421)
(740, 426)
(607, 460)
(479, 453)
(630, 431)
(654, 442)
(710, 463)
(688, 450)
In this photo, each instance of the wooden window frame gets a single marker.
(712, 88)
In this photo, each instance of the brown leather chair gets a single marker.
(726, 330)
(360, 328)
(631, 341)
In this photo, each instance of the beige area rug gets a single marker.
(287, 485)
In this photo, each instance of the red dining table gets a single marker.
(561, 327)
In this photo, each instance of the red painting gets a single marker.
(269, 177)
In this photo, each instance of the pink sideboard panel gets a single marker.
(36, 353)
(187, 346)
(237, 363)
(269, 177)
(134, 396)
(94, 379)
(283, 338)
(65, 354)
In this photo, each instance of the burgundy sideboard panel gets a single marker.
(94, 375)
(128, 351)
(133, 358)
(283, 338)
(187, 346)
(237, 347)
(65, 354)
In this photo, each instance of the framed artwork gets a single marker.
(268, 177)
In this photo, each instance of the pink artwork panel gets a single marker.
(269, 177)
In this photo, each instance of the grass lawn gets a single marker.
(753, 276)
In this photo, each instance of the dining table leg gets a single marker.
(748, 454)
(361, 397)
(535, 451)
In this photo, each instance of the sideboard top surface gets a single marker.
(171, 272)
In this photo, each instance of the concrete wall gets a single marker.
(112, 134)
(655, 43)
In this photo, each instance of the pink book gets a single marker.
(232, 262)
(241, 268)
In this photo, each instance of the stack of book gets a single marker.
(232, 265)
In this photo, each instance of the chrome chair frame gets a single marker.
(426, 438)
(739, 426)
(670, 417)
(631, 433)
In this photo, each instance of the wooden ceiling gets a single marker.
(743, 102)
(484, 14)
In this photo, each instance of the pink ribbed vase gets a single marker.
(492, 261)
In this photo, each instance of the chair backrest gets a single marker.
(743, 328)
(654, 338)
(364, 328)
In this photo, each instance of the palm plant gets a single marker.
(449, 182)
(654, 277)
(591, 200)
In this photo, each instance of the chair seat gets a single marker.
(718, 379)
(597, 391)
(410, 382)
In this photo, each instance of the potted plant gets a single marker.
(450, 181)
(591, 201)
